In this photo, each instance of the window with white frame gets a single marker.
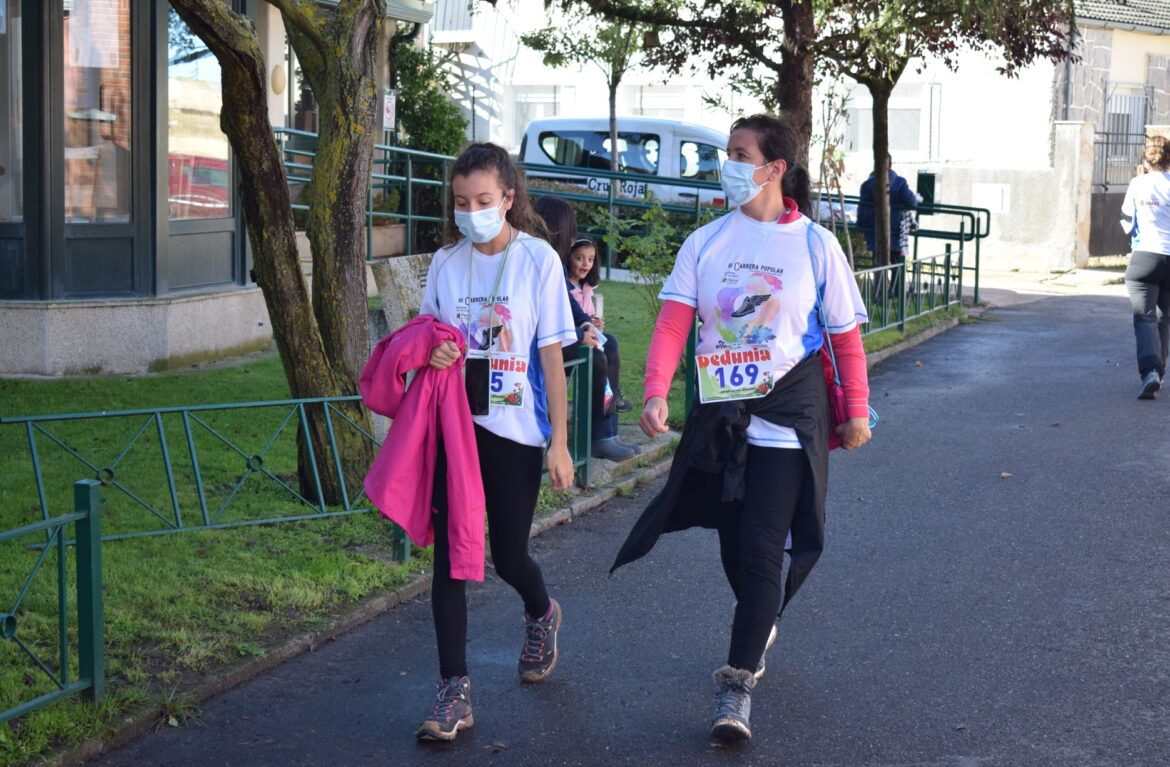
(910, 114)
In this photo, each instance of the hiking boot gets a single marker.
(538, 656)
(452, 711)
(622, 404)
(612, 450)
(771, 641)
(733, 704)
(1151, 382)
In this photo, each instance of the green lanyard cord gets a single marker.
(495, 288)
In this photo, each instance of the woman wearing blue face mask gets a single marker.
(504, 289)
(769, 286)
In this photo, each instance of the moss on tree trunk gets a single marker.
(322, 342)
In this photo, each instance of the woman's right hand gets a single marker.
(444, 355)
(653, 420)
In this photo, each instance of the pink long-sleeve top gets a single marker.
(401, 480)
(583, 293)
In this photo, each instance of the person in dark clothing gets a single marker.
(562, 225)
(903, 201)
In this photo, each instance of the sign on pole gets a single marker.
(389, 106)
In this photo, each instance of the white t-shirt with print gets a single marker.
(1147, 202)
(752, 283)
(531, 310)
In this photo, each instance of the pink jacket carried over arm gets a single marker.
(401, 481)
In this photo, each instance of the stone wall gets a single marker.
(1087, 80)
(125, 336)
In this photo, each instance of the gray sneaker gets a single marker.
(733, 704)
(613, 450)
(1151, 382)
(538, 656)
(451, 712)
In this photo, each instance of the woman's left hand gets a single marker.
(560, 467)
(854, 433)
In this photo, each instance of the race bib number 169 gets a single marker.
(739, 372)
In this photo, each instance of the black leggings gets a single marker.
(751, 546)
(511, 481)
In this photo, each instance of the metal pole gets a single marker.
(90, 608)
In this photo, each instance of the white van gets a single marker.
(646, 146)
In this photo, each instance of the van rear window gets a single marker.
(637, 152)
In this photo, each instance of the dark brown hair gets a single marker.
(581, 241)
(1157, 153)
(560, 221)
(483, 155)
(778, 141)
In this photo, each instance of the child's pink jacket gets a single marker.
(400, 483)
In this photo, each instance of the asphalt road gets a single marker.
(995, 592)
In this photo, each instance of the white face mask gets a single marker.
(481, 225)
(738, 183)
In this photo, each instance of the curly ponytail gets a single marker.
(1157, 153)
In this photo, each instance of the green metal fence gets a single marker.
(51, 552)
(172, 469)
(197, 467)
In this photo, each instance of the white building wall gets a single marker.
(973, 118)
(513, 85)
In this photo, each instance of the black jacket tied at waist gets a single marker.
(706, 481)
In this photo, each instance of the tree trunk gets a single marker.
(336, 223)
(613, 129)
(881, 177)
(267, 209)
(794, 83)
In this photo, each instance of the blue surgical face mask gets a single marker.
(480, 225)
(738, 183)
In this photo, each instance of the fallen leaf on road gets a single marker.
(172, 721)
(917, 363)
(960, 727)
(1005, 474)
(496, 747)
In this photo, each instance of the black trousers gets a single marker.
(751, 546)
(511, 481)
(606, 367)
(1147, 280)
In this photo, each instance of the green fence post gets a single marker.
(976, 269)
(399, 544)
(409, 243)
(90, 609)
(582, 415)
(947, 280)
(903, 285)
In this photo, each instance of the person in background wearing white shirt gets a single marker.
(1146, 216)
(504, 288)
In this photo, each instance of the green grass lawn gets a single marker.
(180, 605)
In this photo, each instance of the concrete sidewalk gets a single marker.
(993, 593)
